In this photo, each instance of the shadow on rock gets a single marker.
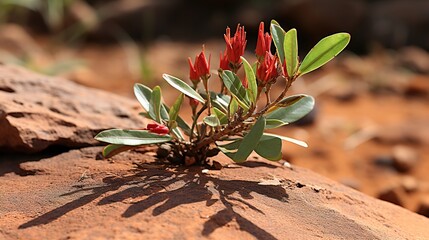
(168, 189)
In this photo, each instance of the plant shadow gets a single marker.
(168, 189)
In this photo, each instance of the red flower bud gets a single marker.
(224, 63)
(201, 65)
(264, 42)
(236, 45)
(193, 102)
(193, 75)
(157, 128)
(267, 69)
(201, 68)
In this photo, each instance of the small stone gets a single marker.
(287, 165)
(404, 158)
(217, 165)
(205, 171)
(392, 195)
(189, 161)
(423, 208)
(163, 150)
(409, 184)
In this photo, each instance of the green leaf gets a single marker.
(274, 123)
(291, 51)
(113, 149)
(155, 104)
(278, 35)
(174, 110)
(324, 51)
(231, 148)
(288, 139)
(233, 107)
(183, 87)
(143, 95)
(131, 137)
(250, 141)
(235, 87)
(287, 101)
(180, 122)
(219, 100)
(269, 147)
(223, 119)
(294, 110)
(252, 89)
(212, 120)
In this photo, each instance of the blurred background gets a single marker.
(370, 127)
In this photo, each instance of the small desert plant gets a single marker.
(234, 119)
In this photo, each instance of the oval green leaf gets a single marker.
(250, 141)
(183, 87)
(113, 149)
(291, 51)
(235, 87)
(174, 110)
(143, 95)
(211, 120)
(131, 137)
(252, 89)
(155, 104)
(324, 51)
(220, 115)
(278, 36)
(294, 111)
(269, 147)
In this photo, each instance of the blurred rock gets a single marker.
(415, 59)
(384, 161)
(404, 158)
(393, 195)
(409, 183)
(402, 134)
(38, 111)
(344, 93)
(423, 208)
(417, 87)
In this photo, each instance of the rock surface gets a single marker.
(117, 200)
(38, 111)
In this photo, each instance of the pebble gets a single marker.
(404, 158)
(217, 165)
(205, 171)
(286, 164)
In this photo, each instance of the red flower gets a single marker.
(264, 42)
(267, 69)
(224, 63)
(235, 46)
(201, 68)
(201, 65)
(157, 128)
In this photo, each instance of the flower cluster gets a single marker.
(230, 59)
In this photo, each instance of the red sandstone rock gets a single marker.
(255, 200)
(38, 111)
